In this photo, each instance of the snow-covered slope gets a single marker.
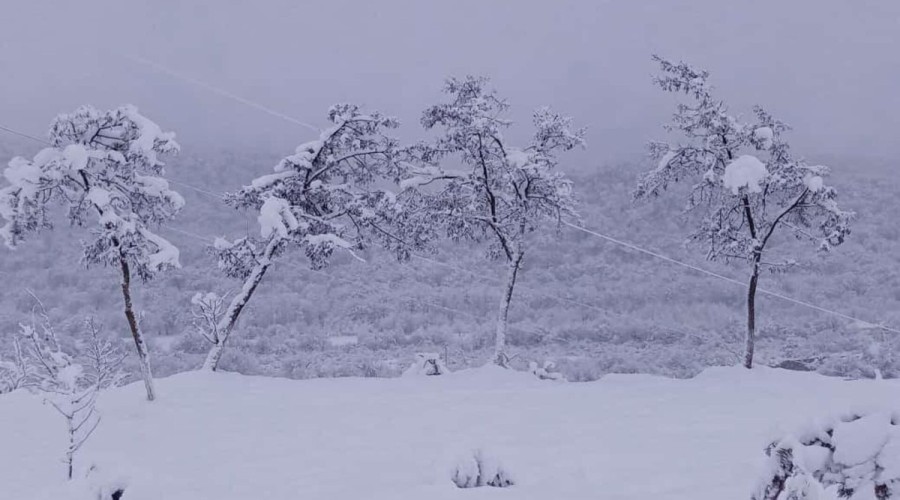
(230, 437)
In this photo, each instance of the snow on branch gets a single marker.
(324, 197)
(329, 195)
(746, 183)
(105, 166)
(500, 192)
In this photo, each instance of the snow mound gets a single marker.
(745, 172)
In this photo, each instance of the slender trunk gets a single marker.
(142, 351)
(228, 322)
(512, 270)
(751, 314)
(70, 451)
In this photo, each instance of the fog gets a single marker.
(828, 67)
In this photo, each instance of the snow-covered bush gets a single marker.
(857, 457)
(426, 363)
(480, 469)
(105, 166)
(547, 371)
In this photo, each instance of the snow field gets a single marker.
(229, 437)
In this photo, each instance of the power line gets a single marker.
(358, 283)
(27, 136)
(220, 91)
(724, 278)
(456, 268)
(567, 223)
(211, 194)
(497, 281)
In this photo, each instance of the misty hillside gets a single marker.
(589, 305)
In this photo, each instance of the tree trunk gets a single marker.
(751, 315)
(70, 451)
(512, 270)
(226, 326)
(143, 353)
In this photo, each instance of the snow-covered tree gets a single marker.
(64, 383)
(746, 184)
(495, 192)
(326, 196)
(104, 167)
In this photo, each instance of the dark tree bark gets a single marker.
(237, 305)
(142, 351)
(512, 271)
(751, 315)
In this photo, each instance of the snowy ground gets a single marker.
(230, 437)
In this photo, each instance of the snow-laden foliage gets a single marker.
(494, 190)
(856, 457)
(104, 168)
(326, 196)
(427, 364)
(746, 182)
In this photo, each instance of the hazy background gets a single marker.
(829, 67)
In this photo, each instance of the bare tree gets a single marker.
(740, 201)
(65, 384)
(16, 373)
(501, 193)
(103, 165)
(102, 358)
(208, 310)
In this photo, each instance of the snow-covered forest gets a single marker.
(678, 263)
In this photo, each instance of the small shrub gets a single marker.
(481, 470)
(426, 363)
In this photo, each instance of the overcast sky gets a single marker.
(831, 68)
